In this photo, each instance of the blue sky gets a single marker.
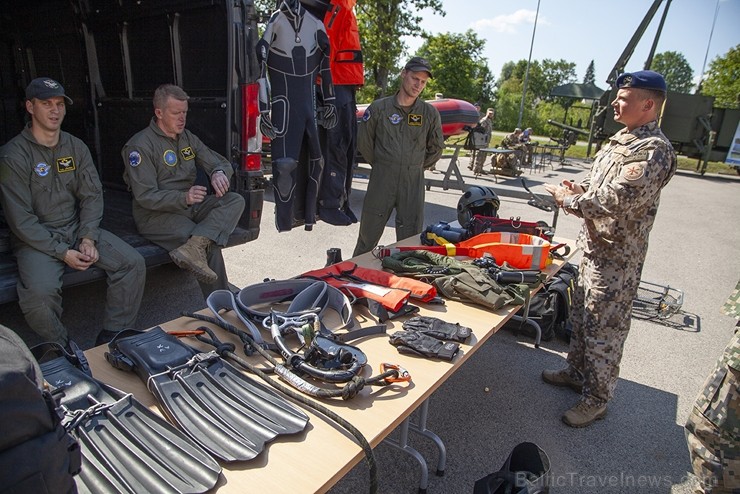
(583, 30)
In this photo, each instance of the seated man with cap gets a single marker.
(617, 201)
(53, 202)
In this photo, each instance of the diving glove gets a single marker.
(437, 328)
(414, 343)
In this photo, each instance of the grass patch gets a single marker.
(579, 151)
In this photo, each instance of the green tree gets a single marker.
(676, 70)
(460, 70)
(382, 23)
(723, 79)
(543, 76)
(590, 76)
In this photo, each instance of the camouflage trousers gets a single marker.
(715, 455)
(601, 312)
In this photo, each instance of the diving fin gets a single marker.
(126, 447)
(226, 412)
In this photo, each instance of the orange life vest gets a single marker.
(386, 288)
(520, 250)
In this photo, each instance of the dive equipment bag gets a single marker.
(36, 453)
(550, 306)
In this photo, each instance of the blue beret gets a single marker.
(642, 79)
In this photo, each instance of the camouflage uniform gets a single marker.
(480, 157)
(160, 171)
(399, 143)
(713, 428)
(507, 162)
(619, 205)
(52, 198)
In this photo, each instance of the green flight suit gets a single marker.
(399, 143)
(160, 171)
(52, 198)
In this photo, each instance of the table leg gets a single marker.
(402, 444)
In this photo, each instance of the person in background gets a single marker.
(527, 145)
(485, 126)
(507, 163)
(618, 201)
(169, 208)
(713, 428)
(400, 136)
(53, 202)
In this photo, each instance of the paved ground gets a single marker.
(640, 447)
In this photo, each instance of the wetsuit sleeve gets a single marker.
(640, 178)
(366, 134)
(435, 140)
(327, 86)
(141, 176)
(17, 203)
(90, 195)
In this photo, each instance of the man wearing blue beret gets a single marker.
(618, 201)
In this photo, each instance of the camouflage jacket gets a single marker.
(622, 192)
(719, 400)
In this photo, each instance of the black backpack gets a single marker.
(550, 306)
(36, 452)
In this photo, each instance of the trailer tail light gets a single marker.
(251, 136)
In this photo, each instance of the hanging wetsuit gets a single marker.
(339, 144)
(295, 51)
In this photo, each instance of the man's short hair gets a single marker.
(168, 91)
(657, 96)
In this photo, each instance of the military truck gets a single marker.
(110, 56)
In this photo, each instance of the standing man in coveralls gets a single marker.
(160, 167)
(53, 202)
(618, 201)
(400, 136)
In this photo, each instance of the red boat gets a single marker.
(456, 115)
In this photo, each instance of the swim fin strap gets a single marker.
(126, 447)
(223, 410)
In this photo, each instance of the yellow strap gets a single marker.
(451, 249)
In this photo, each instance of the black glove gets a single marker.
(437, 328)
(413, 343)
(266, 127)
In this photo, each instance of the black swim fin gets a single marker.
(126, 448)
(226, 412)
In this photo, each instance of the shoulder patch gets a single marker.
(366, 115)
(134, 158)
(633, 171)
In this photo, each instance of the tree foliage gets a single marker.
(723, 79)
(460, 70)
(590, 76)
(382, 23)
(678, 74)
(543, 76)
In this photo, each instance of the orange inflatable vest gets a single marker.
(520, 250)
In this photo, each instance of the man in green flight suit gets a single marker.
(400, 136)
(169, 209)
(53, 202)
